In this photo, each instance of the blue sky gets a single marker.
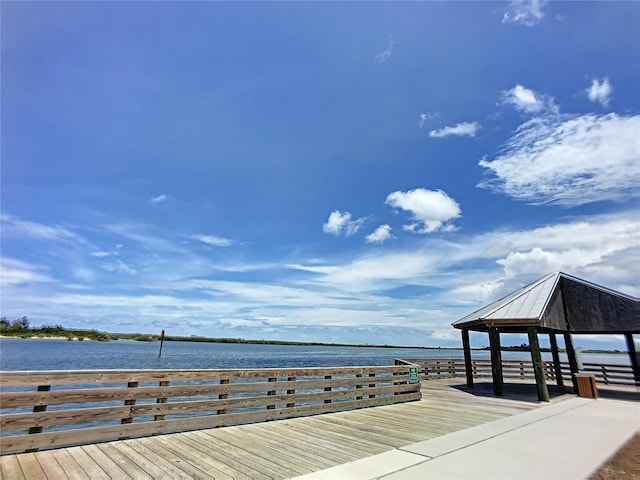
(338, 172)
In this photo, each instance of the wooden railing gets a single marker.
(435, 368)
(50, 409)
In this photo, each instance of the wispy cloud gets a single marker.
(17, 272)
(569, 160)
(432, 210)
(17, 228)
(384, 55)
(600, 91)
(340, 222)
(159, 199)
(527, 100)
(213, 240)
(464, 129)
(426, 116)
(524, 12)
(380, 235)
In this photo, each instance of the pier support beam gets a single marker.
(557, 366)
(633, 356)
(496, 361)
(468, 367)
(573, 364)
(538, 368)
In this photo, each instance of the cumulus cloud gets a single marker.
(380, 235)
(159, 199)
(600, 92)
(527, 100)
(464, 129)
(384, 55)
(213, 240)
(340, 222)
(524, 12)
(432, 210)
(569, 160)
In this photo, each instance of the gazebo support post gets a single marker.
(631, 348)
(573, 364)
(496, 361)
(538, 368)
(468, 367)
(557, 366)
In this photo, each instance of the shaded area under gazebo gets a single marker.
(555, 304)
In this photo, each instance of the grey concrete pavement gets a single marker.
(565, 440)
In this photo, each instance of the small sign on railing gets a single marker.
(413, 375)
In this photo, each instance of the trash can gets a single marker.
(587, 387)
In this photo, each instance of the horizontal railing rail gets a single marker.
(435, 368)
(50, 409)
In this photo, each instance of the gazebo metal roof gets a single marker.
(559, 302)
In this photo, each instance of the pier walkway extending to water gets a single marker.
(511, 437)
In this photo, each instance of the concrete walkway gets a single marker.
(566, 440)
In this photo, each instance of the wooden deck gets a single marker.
(280, 449)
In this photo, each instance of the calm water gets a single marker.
(28, 354)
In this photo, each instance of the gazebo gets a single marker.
(556, 303)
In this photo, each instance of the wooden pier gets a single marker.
(280, 449)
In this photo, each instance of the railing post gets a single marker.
(38, 408)
(372, 385)
(291, 392)
(223, 396)
(604, 375)
(271, 393)
(129, 419)
(358, 387)
(163, 383)
(327, 389)
(132, 401)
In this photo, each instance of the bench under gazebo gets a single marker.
(557, 303)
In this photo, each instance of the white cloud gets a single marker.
(24, 229)
(16, 272)
(339, 222)
(427, 116)
(380, 235)
(118, 266)
(432, 210)
(159, 199)
(524, 12)
(569, 160)
(386, 53)
(528, 101)
(464, 129)
(600, 92)
(213, 240)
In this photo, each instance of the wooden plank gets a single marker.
(233, 457)
(277, 463)
(304, 449)
(84, 461)
(274, 443)
(50, 465)
(139, 456)
(131, 468)
(31, 467)
(35, 378)
(107, 464)
(197, 455)
(177, 462)
(10, 468)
